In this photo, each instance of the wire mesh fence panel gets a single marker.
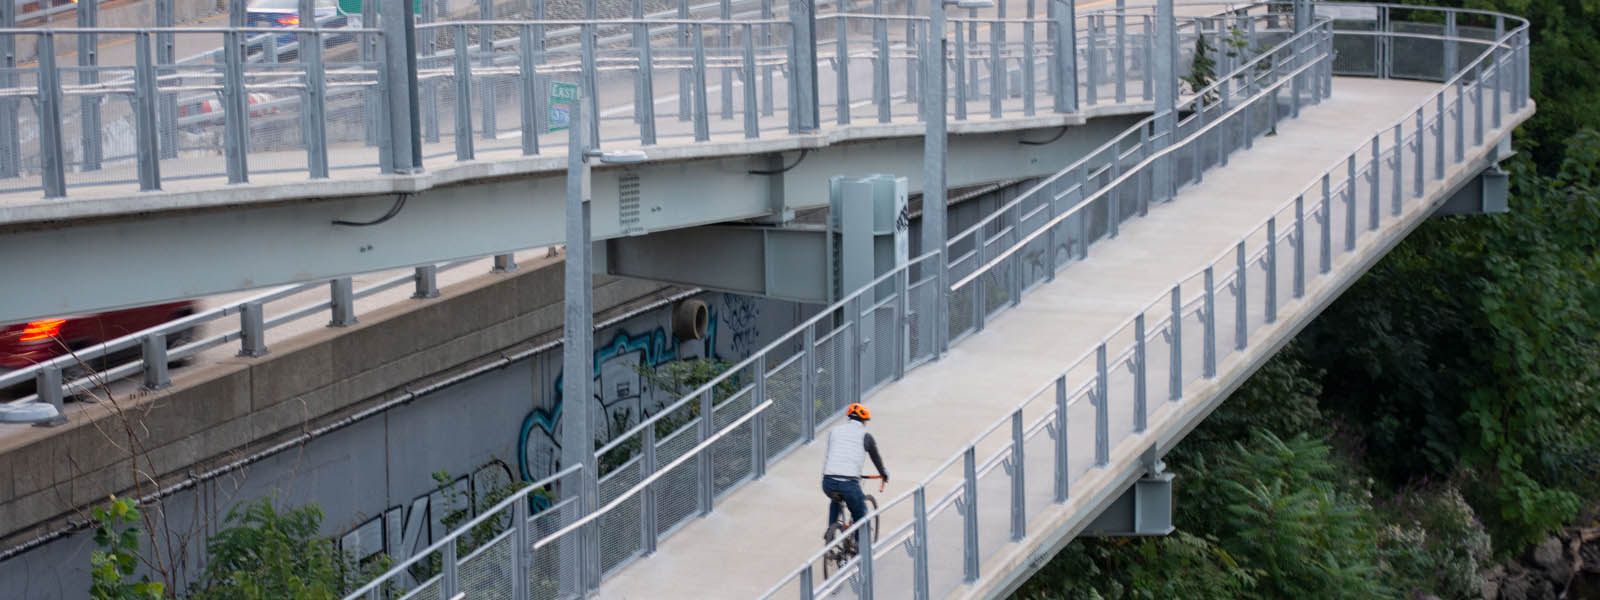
(486, 573)
(619, 529)
(960, 303)
(1417, 57)
(428, 591)
(1355, 54)
(945, 557)
(550, 566)
(785, 423)
(831, 365)
(887, 344)
(730, 455)
(677, 491)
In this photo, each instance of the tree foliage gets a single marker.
(117, 536)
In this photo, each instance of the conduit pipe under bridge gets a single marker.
(1073, 367)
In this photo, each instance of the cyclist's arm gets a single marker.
(877, 460)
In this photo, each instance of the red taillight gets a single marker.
(41, 330)
(289, 21)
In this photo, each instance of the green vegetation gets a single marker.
(1441, 416)
(113, 564)
(265, 552)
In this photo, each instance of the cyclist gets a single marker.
(849, 445)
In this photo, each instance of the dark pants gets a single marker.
(850, 491)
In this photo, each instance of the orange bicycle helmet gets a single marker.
(859, 412)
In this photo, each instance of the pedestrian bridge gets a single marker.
(1025, 374)
(1091, 323)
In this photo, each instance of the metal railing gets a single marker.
(1028, 461)
(148, 352)
(263, 108)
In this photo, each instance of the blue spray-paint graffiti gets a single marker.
(619, 389)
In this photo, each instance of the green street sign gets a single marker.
(562, 98)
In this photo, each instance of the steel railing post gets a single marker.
(88, 14)
(969, 515)
(1029, 103)
(1499, 33)
(1399, 149)
(1477, 105)
(1065, 55)
(758, 425)
(647, 83)
(1325, 220)
(450, 577)
(1461, 121)
(752, 112)
(10, 126)
(252, 333)
(864, 539)
(1438, 136)
(805, 584)
(1015, 467)
(1091, 62)
(1375, 183)
(1102, 408)
(1299, 247)
(343, 300)
(902, 322)
(487, 94)
(1122, 51)
(1175, 361)
(314, 99)
(1271, 267)
(808, 374)
(166, 52)
(52, 154)
(857, 349)
(1146, 72)
(1209, 329)
(47, 384)
(766, 70)
(1241, 318)
(400, 76)
(427, 282)
(705, 490)
(521, 549)
(504, 263)
(960, 64)
(725, 45)
(880, 63)
(147, 141)
(980, 285)
(154, 350)
(841, 70)
(702, 125)
(1350, 199)
(686, 89)
(803, 20)
(430, 90)
(235, 102)
(531, 95)
(1451, 48)
(919, 544)
(371, 49)
(1063, 474)
(1141, 406)
(997, 65)
(463, 81)
(649, 529)
(1417, 165)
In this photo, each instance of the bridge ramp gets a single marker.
(761, 532)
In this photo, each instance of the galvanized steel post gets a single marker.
(1063, 475)
(1325, 220)
(969, 514)
(10, 127)
(649, 530)
(521, 549)
(487, 94)
(1064, 56)
(530, 92)
(1438, 136)
(803, 19)
(1299, 247)
(1350, 198)
(1208, 342)
(236, 130)
(919, 544)
(1102, 408)
(758, 425)
(1399, 149)
(1241, 318)
(1175, 360)
(1015, 467)
(702, 125)
(902, 322)
(1374, 182)
(399, 74)
(1141, 406)
(154, 350)
(252, 333)
(934, 198)
(146, 142)
(343, 301)
(88, 14)
(864, 559)
(314, 126)
(808, 374)
(463, 81)
(1417, 169)
(52, 153)
(577, 353)
(752, 114)
(1272, 270)
(1166, 122)
(427, 282)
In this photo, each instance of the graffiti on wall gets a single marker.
(402, 530)
(622, 395)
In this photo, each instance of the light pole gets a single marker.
(577, 351)
(934, 198)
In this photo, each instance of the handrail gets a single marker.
(1132, 171)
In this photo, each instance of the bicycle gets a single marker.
(840, 555)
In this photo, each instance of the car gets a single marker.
(286, 13)
(25, 344)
